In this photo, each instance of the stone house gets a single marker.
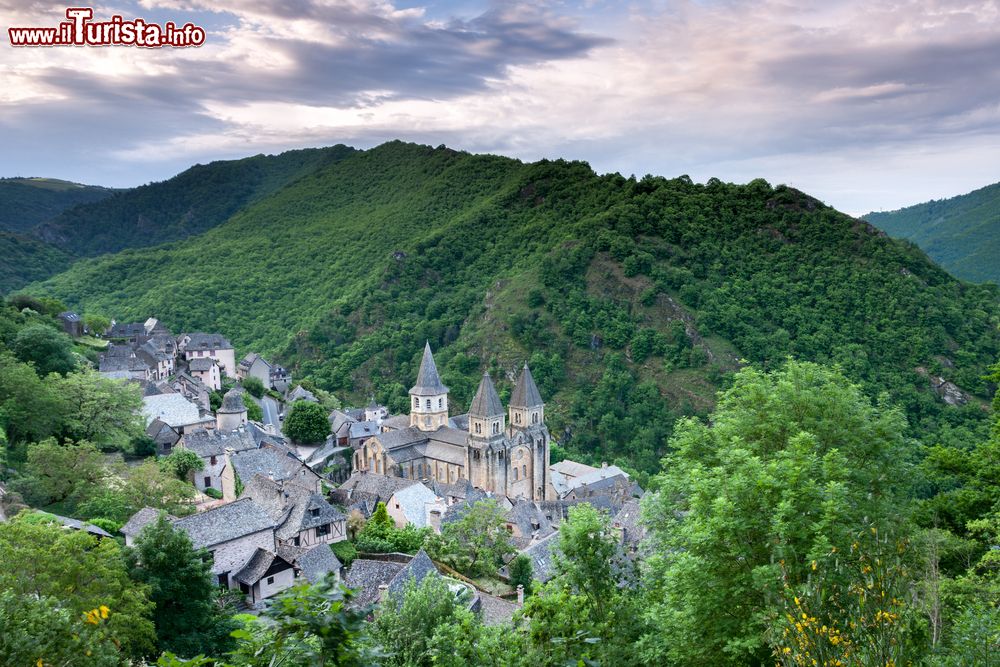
(209, 346)
(302, 518)
(207, 371)
(270, 461)
(211, 447)
(254, 365)
(178, 412)
(164, 435)
(71, 323)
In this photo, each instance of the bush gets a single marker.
(307, 422)
(106, 524)
(254, 386)
(345, 552)
(213, 493)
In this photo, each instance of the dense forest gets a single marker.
(962, 233)
(31, 201)
(633, 299)
(27, 259)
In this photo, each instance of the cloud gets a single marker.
(709, 88)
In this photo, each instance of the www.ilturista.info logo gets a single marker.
(80, 30)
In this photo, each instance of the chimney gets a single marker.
(520, 595)
(383, 590)
(435, 520)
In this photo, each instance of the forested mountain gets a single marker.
(962, 234)
(632, 299)
(25, 259)
(30, 201)
(190, 203)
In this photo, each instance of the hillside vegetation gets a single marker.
(962, 233)
(187, 204)
(30, 201)
(634, 300)
(26, 259)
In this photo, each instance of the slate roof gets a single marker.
(572, 468)
(525, 394)
(529, 519)
(225, 523)
(232, 402)
(140, 520)
(413, 503)
(293, 508)
(364, 430)
(76, 524)
(496, 611)
(542, 555)
(201, 364)
(417, 569)
(162, 433)
(259, 563)
(300, 393)
(486, 403)
(206, 341)
(460, 422)
(69, 316)
(627, 520)
(317, 562)
(381, 487)
(396, 422)
(401, 438)
(214, 442)
(428, 381)
(271, 463)
(366, 575)
(173, 409)
(338, 418)
(127, 330)
(249, 360)
(115, 363)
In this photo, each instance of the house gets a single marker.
(300, 393)
(628, 528)
(71, 323)
(374, 580)
(75, 524)
(176, 411)
(131, 332)
(263, 575)
(140, 520)
(369, 487)
(302, 517)
(281, 379)
(254, 365)
(160, 363)
(526, 521)
(315, 563)
(604, 481)
(193, 389)
(207, 371)
(541, 553)
(211, 446)
(164, 435)
(120, 361)
(412, 506)
(269, 461)
(211, 346)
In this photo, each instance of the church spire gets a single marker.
(428, 381)
(525, 391)
(486, 402)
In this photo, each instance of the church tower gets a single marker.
(429, 396)
(486, 454)
(530, 439)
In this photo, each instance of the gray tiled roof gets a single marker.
(377, 486)
(300, 393)
(225, 523)
(364, 430)
(365, 576)
(486, 403)
(215, 442)
(525, 394)
(76, 524)
(529, 519)
(206, 341)
(140, 520)
(396, 422)
(269, 462)
(317, 562)
(496, 611)
(428, 381)
(417, 569)
(542, 555)
(201, 363)
(628, 520)
(402, 438)
(257, 565)
(173, 409)
(232, 402)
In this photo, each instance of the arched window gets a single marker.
(515, 473)
(427, 403)
(440, 402)
(416, 402)
(524, 471)
(496, 427)
(534, 417)
(517, 417)
(479, 427)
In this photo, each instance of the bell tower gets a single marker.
(429, 396)
(486, 439)
(527, 424)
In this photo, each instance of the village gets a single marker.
(271, 512)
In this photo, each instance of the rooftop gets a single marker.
(428, 381)
(225, 523)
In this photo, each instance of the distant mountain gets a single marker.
(187, 204)
(632, 299)
(26, 202)
(962, 234)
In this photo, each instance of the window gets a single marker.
(270, 580)
(427, 403)
(496, 427)
(323, 530)
(416, 402)
(517, 417)
(314, 511)
(515, 474)
(213, 460)
(208, 482)
(534, 417)
(440, 402)
(479, 427)
(427, 421)
(524, 472)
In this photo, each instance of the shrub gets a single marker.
(345, 552)
(213, 493)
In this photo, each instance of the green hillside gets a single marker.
(26, 259)
(26, 202)
(187, 204)
(962, 234)
(633, 299)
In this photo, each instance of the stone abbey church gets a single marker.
(502, 451)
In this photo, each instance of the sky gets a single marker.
(866, 105)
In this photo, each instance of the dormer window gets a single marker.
(314, 512)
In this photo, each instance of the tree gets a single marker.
(380, 535)
(96, 324)
(101, 410)
(477, 543)
(182, 587)
(30, 409)
(254, 386)
(792, 465)
(130, 488)
(68, 473)
(44, 560)
(181, 463)
(49, 350)
(42, 631)
(254, 412)
(306, 422)
(521, 573)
